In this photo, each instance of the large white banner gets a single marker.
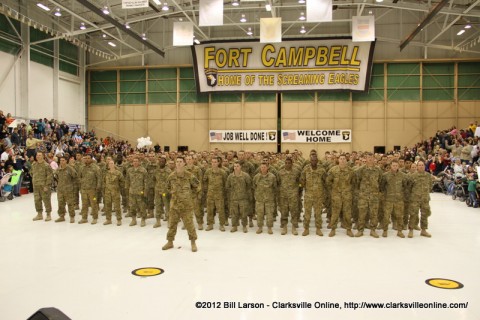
(317, 136)
(329, 64)
(363, 28)
(132, 4)
(243, 136)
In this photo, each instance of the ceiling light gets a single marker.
(196, 41)
(157, 2)
(44, 7)
(127, 25)
(268, 7)
(104, 35)
(165, 7)
(301, 1)
(468, 26)
(249, 31)
(302, 16)
(235, 3)
(370, 12)
(112, 44)
(243, 19)
(302, 30)
(461, 32)
(105, 10)
(58, 13)
(378, 1)
(82, 26)
(144, 36)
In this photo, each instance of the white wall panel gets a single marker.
(40, 93)
(8, 76)
(70, 105)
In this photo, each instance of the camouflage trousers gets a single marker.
(238, 211)
(313, 202)
(395, 206)
(215, 204)
(66, 197)
(162, 204)
(183, 211)
(367, 205)
(264, 209)
(124, 193)
(150, 199)
(89, 199)
(112, 197)
(198, 209)
(424, 206)
(99, 196)
(341, 203)
(289, 206)
(76, 193)
(137, 203)
(41, 196)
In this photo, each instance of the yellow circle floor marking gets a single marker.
(444, 283)
(147, 272)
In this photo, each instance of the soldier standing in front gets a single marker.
(421, 182)
(67, 177)
(42, 176)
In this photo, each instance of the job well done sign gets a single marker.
(326, 64)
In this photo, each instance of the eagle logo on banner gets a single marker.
(272, 135)
(346, 135)
(211, 75)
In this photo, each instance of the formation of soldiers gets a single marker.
(353, 191)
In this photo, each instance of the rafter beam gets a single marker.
(422, 24)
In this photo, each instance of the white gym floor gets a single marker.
(85, 270)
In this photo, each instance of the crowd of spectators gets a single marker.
(453, 151)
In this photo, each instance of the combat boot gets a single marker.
(60, 219)
(72, 220)
(294, 231)
(250, 222)
(77, 207)
(107, 222)
(165, 218)
(157, 224)
(226, 223)
(259, 230)
(424, 233)
(49, 217)
(168, 245)
(142, 224)
(332, 233)
(134, 222)
(125, 210)
(209, 227)
(410, 233)
(194, 246)
(385, 233)
(319, 232)
(306, 232)
(82, 221)
(350, 233)
(119, 223)
(128, 215)
(200, 226)
(284, 231)
(400, 234)
(94, 221)
(416, 228)
(39, 216)
(270, 230)
(234, 229)
(373, 233)
(245, 230)
(150, 214)
(222, 228)
(359, 234)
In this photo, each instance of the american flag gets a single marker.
(289, 136)
(215, 135)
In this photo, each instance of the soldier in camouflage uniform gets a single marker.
(197, 206)
(102, 166)
(42, 177)
(214, 181)
(340, 180)
(126, 165)
(113, 183)
(289, 183)
(313, 182)
(421, 183)
(393, 184)
(89, 184)
(162, 198)
(184, 187)
(151, 166)
(66, 177)
(248, 168)
(239, 186)
(136, 184)
(76, 187)
(368, 179)
(265, 187)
